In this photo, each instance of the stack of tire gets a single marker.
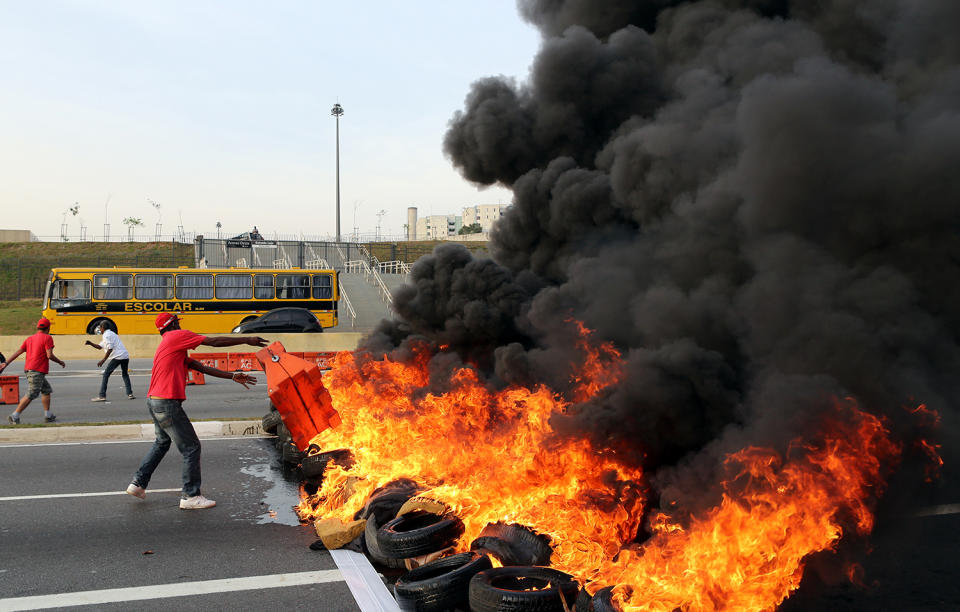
(468, 580)
(273, 424)
(462, 581)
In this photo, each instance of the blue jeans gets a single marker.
(170, 422)
(111, 366)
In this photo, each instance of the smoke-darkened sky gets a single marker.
(757, 202)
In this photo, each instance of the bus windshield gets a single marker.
(67, 293)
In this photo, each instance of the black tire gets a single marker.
(283, 433)
(515, 589)
(270, 422)
(602, 601)
(386, 501)
(514, 544)
(373, 548)
(314, 465)
(443, 584)
(289, 453)
(109, 325)
(417, 533)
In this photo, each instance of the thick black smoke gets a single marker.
(757, 202)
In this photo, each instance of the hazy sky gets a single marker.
(220, 111)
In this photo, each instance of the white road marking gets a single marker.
(150, 441)
(63, 495)
(364, 582)
(163, 591)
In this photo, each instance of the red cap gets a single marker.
(164, 319)
(43, 323)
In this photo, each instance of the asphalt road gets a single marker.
(247, 553)
(75, 385)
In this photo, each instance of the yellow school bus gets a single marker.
(208, 300)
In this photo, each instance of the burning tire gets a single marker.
(271, 421)
(602, 601)
(440, 585)
(514, 544)
(289, 453)
(373, 548)
(417, 533)
(509, 589)
(314, 465)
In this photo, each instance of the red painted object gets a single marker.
(11, 389)
(296, 389)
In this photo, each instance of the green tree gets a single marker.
(473, 228)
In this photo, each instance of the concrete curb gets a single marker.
(142, 431)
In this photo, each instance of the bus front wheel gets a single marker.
(107, 323)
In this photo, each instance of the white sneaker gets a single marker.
(136, 491)
(197, 502)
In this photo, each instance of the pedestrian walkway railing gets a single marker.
(359, 266)
(317, 264)
(393, 267)
(345, 301)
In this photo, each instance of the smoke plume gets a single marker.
(756, 201)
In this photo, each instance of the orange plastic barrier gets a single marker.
(322, 360)
(296, 389)
(11, 389)
(212, 360)
(243, 362)
(195, 378)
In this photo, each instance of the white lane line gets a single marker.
(364, 582)
(150, 441)
(63, 495)
(163, 591)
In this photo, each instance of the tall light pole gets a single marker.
(337, 111)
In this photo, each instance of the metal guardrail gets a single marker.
(393, 267)
(359, 266)
(345, 300)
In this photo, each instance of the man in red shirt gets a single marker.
(165, 400)
(39, 350)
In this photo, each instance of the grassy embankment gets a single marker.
(25, 267)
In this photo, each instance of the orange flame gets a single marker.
(492, 456)
(747, 552)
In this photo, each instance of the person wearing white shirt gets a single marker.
(116, 353)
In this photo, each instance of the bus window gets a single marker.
(322, 286)
(263, 286)
(112, 286)
(293, 286)
(195, 286)
(66, 293)
(153, 286)
(234, 287)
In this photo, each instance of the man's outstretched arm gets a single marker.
(239, 377)
(221, 341)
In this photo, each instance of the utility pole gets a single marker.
(337, 112)
(379, 220)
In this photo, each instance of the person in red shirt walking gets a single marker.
(39, 350)
(165, 400)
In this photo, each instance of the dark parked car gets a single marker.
(281, 321)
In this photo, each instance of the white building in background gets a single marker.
(484, 214)
(443, 227)
(438, 227)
